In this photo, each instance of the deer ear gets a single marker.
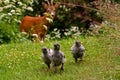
(45, 6)
(57, 4)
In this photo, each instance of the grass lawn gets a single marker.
(22, 61)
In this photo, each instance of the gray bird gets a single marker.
(77, 50)
(58, 57)
(46, 56)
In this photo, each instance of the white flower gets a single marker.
(17, 14)
(6, 1)
(35, 35)
(10, 14)
(8, 6)
(49, 20)
(66, 10)
(30, 8)
(12, 11)
(18, 10)
(1, 9)
(17, 20)
(66, 33)
(73, 29)
(98, 14)
(1, 16)
(55, 29)
(20, 4)
(58, 35)
(64, 6)
(24, 6)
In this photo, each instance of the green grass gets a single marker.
(22, 61)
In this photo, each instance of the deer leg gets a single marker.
(41, 38)
(38, 39)
(44, 36)
(81, 57)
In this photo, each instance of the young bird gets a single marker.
(58, 57)
(77, 50)
(46, 56)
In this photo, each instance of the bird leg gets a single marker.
(54, 69)
(62, 67)
(48, 66)
(75, 59)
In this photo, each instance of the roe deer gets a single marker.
(38, 25)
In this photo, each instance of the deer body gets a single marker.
(34, 25)
(38, 25)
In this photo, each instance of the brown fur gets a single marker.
(34, 25)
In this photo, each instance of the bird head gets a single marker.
(44, 50)
(56, 46)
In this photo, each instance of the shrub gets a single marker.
(12, 10)
(57, 34)
(7, 32)
(10, 33)
(75, 14)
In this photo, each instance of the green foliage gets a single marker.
(11, 11)
(72, 16)
(7, 32)
(37, 7)
(58, 34)
(10, 33)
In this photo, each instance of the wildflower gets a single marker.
(20, 4)
(8, 6)
(18, 10)
(65, 33)
(9, 14)
(12, 11)
(6, 1)
(61, 6)
(2, 15)
(1, 9)
(74, 29)
(17, 20)
(55, 29)
(30, 8)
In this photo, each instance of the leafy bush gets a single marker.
(7, 32)
(12, 10)
(57, 34)
(10, 33)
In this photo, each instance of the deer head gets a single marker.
(50, 8)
